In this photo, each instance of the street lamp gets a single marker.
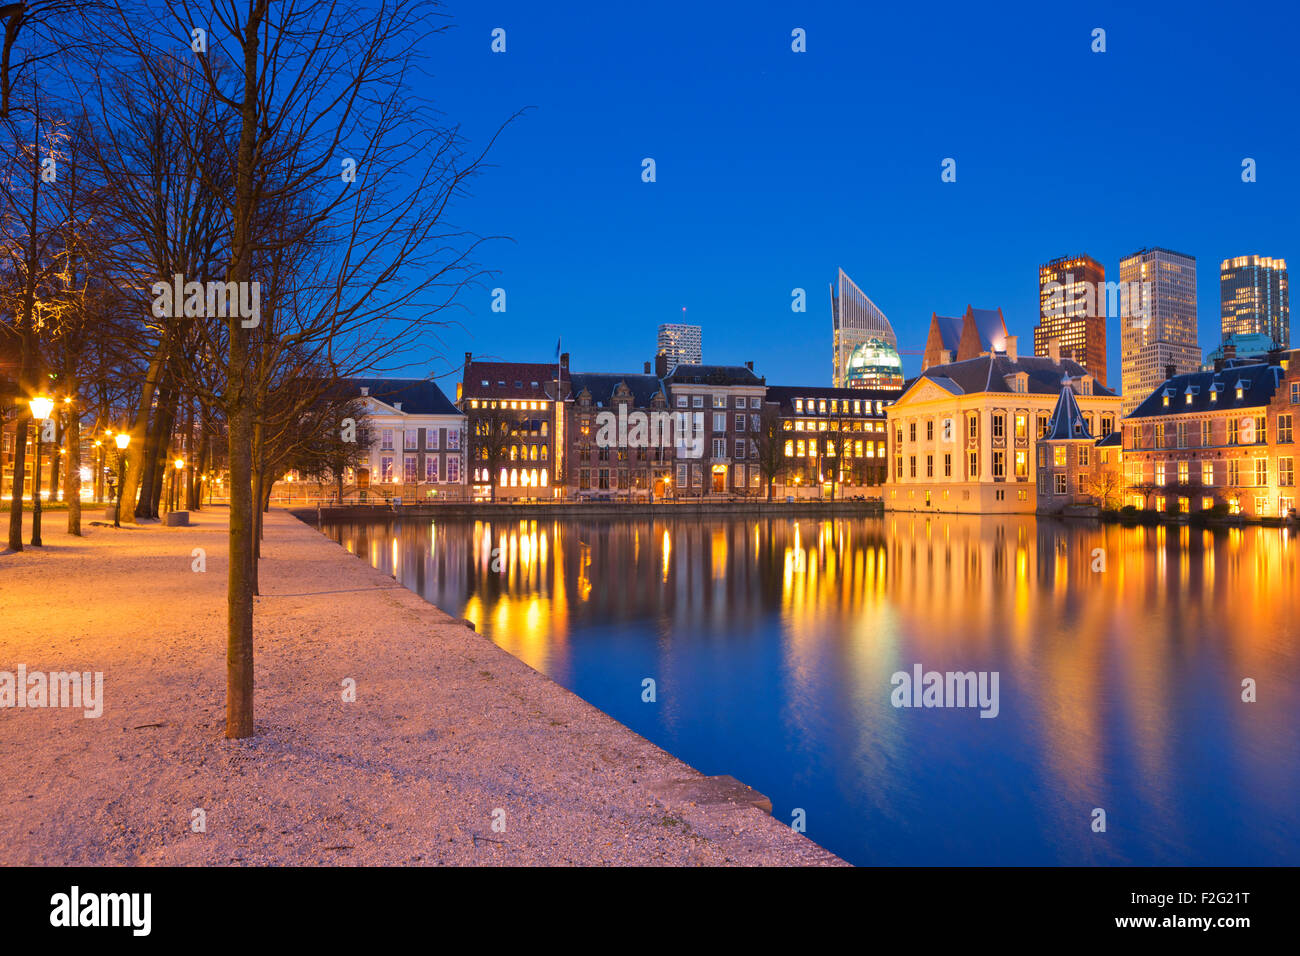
(176, 484)
(122, 439)
(41, 408)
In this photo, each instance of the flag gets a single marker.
(557, 350)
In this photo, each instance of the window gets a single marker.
(1160, 434)
(999, 464)
(1295, 393)
(1232, 431)
(798, 406)
(913, 466)
(681, 401)
(898, 466)
(1021, 426)
(898, 433)
(799, 448)
(740, 448)
(740, 401)
(947, 466)
(929, 466)
(1261, 471)
(681, 476)
(789, 449)
(1234, 474)
(1060, 483)
(1022, 464)
(386, 440)
(929, 429)
(973, 427)
(1261, 506)
(973, 460)
(755, 402)
(1182, 434)
(740, 423)
(1183, 468)
(719, 448)
(1286, 471)
(1083, 456)
(1058, 456)
(431, 469)
(411, 439)
(1261, 429)
(719, 421)
(431, 438)
(386, 468)
(719, 401)
(1107, 425)
(1207, 504)
(1284, 429)
(1207, 433)
(999, 426)
(1082, 481)
(453, 470)
(697, 401)
(1160, 473)
(911, 431)
(1207, 473)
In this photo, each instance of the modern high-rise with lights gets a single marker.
(1254, 300)
(1072, 310)
(1161, 333)
(865, 349)
(680, 344)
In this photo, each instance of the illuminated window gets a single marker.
(1058, 456)
(1207, 473)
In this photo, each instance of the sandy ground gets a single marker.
(446, 729)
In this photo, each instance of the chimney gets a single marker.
(564, 364)
(1170, 371)
(750, 365)
(397, 406)
(1012, 349)
(1229, 350)
(468, 358)
(661, 365)
(945, 357)
(647, 368)
(1218, 364)
(1054, 350)
(365, 391)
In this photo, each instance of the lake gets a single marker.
(773, 643)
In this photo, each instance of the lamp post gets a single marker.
(122, 439)
(41, 408)
(176, 481)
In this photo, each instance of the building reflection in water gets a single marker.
(1120, 650)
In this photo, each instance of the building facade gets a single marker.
(515, 424)
(863, 344)
(725, 403)
(1254, 298)
(963, 436)
(1075, 469)
(833, 440)
(1163, 331)
(1226, 436)
(1072, 311)
(680, 344)
(621, 437)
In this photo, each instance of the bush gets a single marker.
(1129, 511)
(1218, 510)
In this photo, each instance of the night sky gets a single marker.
(774, 167)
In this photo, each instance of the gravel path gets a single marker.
(446, 728)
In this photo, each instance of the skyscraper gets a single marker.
(1161, 332)
(1254, 299)
(857, 326)
(1072, 310)
(680, 344)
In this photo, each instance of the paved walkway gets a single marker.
(447, 728)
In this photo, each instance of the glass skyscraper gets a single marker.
(1072, 310)
(1162, 333)
(858, 327)
(1254, 299)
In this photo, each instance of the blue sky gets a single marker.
(774, 168)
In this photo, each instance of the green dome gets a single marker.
(874, 359)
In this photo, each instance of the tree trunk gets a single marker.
(16, 499)
(72, 474)
(139, 428)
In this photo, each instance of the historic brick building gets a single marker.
(833, 439)
(621, 437)
(1225, 435)
(725, 404)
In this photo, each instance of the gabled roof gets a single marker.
(1067, 422)
(510, 380)
(1212, 391)
(949, 331)
(417, 396)
(602, 385)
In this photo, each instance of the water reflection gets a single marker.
(1121, 652)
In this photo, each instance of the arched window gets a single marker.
(543, 475)
(514, 478)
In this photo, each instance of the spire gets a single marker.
(1067, 422)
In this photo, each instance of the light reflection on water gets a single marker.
(772, 644)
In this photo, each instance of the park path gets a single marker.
(447, 733)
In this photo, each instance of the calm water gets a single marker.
(772, 644)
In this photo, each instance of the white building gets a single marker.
(680, 344)
(417, 449)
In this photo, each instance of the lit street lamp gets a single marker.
(123, 439)
(41, 408)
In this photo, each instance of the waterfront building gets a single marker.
(1254, 298)
(1223, 437)
(864, 346)
(1163, 331)
(640, 458)
(833, 440)
(725, 404)
(1076, 469)
(963, 435)
(1072, 310)
(516, 427)
(417, 442)
(1254, 345)
(680, 344)
(956, 339)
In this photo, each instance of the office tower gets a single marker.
(1158, 331)
(857, 326)
(1072, 310)
(680, 344)
(1254, 299)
